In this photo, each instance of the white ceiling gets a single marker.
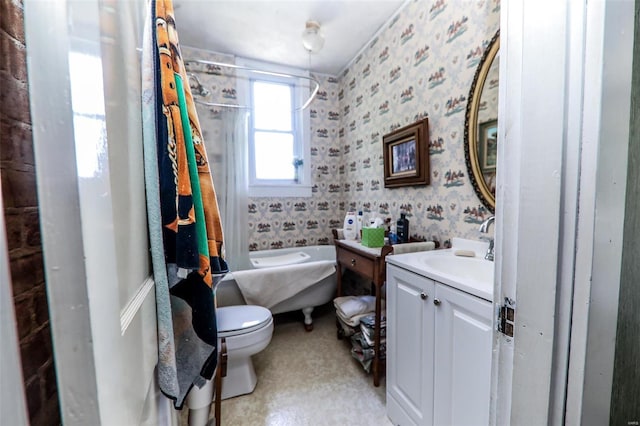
(271, 30)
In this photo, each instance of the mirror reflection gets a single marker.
(488, 126)
(481, 127)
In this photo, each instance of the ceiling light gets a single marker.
(312, 40)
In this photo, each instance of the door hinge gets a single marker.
(506, 317)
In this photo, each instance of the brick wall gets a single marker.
(17, 171)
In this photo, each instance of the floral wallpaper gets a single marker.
(294, 222)
(279, 222)
(420, 65)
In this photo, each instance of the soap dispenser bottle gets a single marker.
(402, 228)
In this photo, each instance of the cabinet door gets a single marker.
(410, 328)
(462, 377)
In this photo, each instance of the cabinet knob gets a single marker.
(353, 262)
(423, 296)
(436, 302)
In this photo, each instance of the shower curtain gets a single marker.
(232, 186)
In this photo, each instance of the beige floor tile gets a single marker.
(307, 379)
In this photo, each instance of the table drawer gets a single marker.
(360, 264)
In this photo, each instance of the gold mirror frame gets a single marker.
(471, 125)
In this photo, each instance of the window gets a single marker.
(278, 134)
(87, 100)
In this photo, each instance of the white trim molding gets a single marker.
(133, 305)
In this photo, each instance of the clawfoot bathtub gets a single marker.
(228, 293)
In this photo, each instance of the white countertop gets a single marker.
(473, 275)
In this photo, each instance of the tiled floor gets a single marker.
(308, 379)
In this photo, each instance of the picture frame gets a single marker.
(406, 155)
(488, 145)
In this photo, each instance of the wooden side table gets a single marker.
(369, 263)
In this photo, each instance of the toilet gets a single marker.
(248, 330)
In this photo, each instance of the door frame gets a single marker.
(606, 123)
(12, 403)
(532, 124)
(559, 228)
(59, 201)
(103, 310)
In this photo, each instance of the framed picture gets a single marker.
(406, 155)
(488, 145)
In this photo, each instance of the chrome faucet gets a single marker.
(484, 228)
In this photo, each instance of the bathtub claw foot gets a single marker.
(308, 322)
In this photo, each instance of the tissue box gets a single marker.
(373, 237)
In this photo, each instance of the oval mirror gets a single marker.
(481, 125)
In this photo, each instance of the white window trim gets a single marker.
(302, 188)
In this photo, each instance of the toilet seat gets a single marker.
(241, 319)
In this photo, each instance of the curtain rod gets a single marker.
(257, 71)
(215, 104)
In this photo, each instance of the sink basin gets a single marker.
(473, 275)
(466, 268)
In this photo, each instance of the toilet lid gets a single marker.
(241, 319)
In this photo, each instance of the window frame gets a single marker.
(300, 124)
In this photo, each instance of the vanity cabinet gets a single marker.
(438, 352)
(410, 337)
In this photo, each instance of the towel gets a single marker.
(413, 247)
(354, 321)
(179, 206)
(368, 311)
(167, 370)
(184, 222)
(350, 306)
(269, 286)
